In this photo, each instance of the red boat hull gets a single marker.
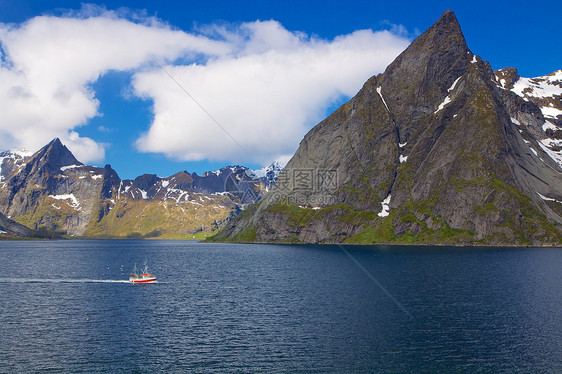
(150, 280)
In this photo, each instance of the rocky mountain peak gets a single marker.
(440, 46)
(145, 181)
(434, 150)
(507, 77)
(54, 156)
(414, 85)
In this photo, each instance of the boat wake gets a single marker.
(33, 280)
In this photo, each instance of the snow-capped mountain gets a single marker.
(51, 190)
(11, 160)
(266, 175)
(270, 173)
(546, 93)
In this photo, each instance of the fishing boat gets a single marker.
(143, 277)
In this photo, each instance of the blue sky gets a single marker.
(112, 105)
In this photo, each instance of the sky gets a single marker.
(159, 87)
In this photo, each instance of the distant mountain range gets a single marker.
(51, 191)
(439, 149)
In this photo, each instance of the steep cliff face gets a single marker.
(53, 192)
(431, 151)
(10, 229)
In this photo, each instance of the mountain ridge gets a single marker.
(52, 191)
(426, 152)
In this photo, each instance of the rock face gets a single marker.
(52, 191)
(437, 149)
(10, 229)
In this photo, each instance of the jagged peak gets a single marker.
(447, 27)
(145, 181)
(507, 77)
(418, 80)
(443, 40)
(447, 18)
(55, 141)
(55, 155)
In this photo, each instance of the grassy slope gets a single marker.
(154, 219)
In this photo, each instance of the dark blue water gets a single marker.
(65, 306)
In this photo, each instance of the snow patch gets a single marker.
(68, 167)
(516, 122)
(220, 193)
(73, 201)
(556, 156)
(549, 125)
(307, 207)
(550, 112)
(385, 207)
(97, 176)
(535, 152)
(556, 76)
(454, 84)
(442, 105)
(403, 158)
(548, 198)
(402, 145)
(165, 183)
(474, 60)
(379, 89)
(540, 87)
(552, 142)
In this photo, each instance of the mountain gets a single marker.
(269, 173)
(437, 149)
(10, 229)
(12, 160)
(546, 93)
(52, 191)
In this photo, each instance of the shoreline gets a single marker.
(203, 241)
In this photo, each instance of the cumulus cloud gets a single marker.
(49, 63)
(236, 94)
(266, 94)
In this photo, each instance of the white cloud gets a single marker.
(267, 94)
(50, 62)
(266, 85)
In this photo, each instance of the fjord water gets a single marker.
(66, 306)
